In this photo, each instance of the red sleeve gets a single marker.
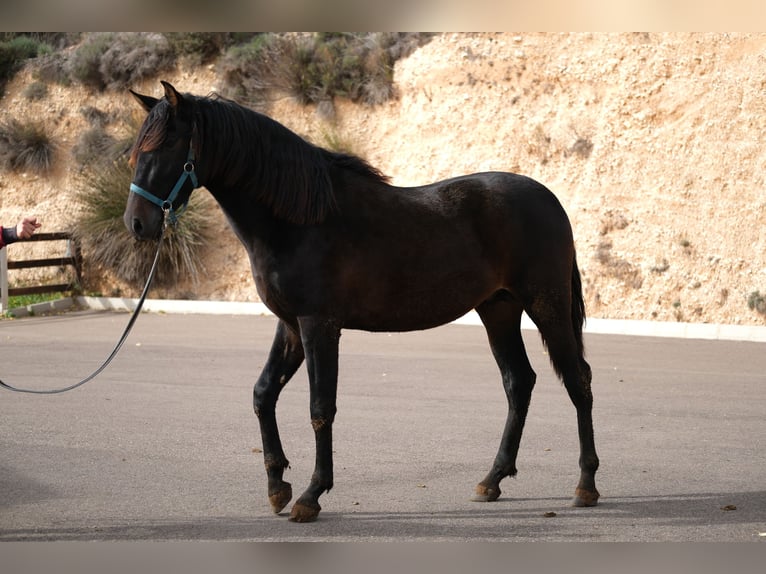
(2, 243)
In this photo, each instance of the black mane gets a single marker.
(286, 173)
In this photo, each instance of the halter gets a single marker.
(167, 204)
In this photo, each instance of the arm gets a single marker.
(23, 230)
(7, 235)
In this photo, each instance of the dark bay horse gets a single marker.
(333, 246)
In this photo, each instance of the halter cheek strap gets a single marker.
(167, 204)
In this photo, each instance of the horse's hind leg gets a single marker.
(284, 359)
(566, 354)
(502, 319)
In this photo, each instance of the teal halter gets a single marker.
(167, 204)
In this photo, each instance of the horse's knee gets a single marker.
(258, 402)
(519, 388)
(264, 399)
(322, 414)
(320, 423)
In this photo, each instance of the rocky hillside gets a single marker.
(651, 141)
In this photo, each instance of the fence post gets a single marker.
(72, 257)
(75, 250)
(3, 280)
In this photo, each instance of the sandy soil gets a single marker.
(651, 141)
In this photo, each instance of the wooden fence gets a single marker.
(72, 257)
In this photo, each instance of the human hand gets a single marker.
(26, 227)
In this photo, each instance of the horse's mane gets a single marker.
(152, 133)
(246, 149)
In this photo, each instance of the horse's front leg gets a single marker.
(320, 344)
(284, 359)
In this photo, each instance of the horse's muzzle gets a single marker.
(141, 229)
(136, 227)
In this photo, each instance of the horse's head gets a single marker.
(163, 159)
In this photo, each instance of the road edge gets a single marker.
(751, 333)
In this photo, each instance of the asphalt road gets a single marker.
(164, 444)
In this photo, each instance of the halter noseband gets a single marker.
(167, 204)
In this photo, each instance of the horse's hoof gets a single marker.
(486, 493)
(302, 512)
(585, 498)
(281, 497)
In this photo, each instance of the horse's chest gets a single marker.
(287, 291)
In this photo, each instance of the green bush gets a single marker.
(108, 246)
(16, 50)
(26, 145)
(51, 40)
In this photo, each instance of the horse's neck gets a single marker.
(251, 221)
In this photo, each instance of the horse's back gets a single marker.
(506, 207)
(494, 190)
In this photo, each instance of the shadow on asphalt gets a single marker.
(497, 520)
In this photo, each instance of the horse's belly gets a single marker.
(412, 311)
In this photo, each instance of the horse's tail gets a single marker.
(578, 306)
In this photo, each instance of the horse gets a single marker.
(333, 245)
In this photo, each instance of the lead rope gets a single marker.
(117, 347)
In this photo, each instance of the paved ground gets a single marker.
(164, 444)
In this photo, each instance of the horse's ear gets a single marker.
(147, 102)
(171, 94)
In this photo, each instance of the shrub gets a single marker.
(757, 302)
(84, 65)
(617, 267)
(107, 244)
(334, 141)
(317, 68)
(53, 68)
(14, 52)
(94, 116)
(35, 91)
(24, 47)
(132, 57)
(245, 68)
(118, 60)
(26, 145)
(581, 148)
(49, 40)
(203, 47)
(93, 145)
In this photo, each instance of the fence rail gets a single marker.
(73, 258)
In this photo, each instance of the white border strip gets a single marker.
(175, 306)
(653, 328)
(751, 333)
